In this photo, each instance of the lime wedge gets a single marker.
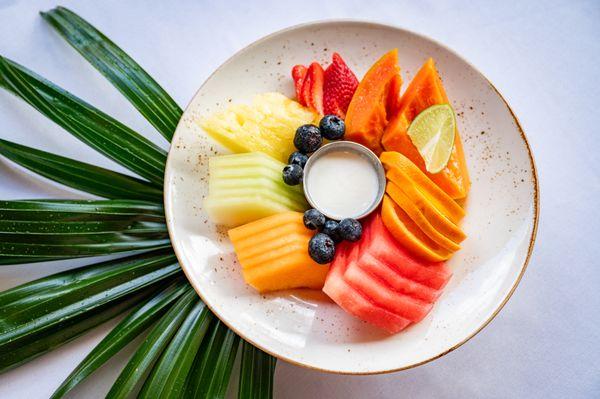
(432, 132)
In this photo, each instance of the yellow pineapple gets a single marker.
(267, 125)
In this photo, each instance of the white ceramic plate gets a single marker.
(308, 329)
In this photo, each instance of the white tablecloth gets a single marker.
(543, 56)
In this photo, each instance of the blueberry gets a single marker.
(332, 127)
(350, 229)
(331, 228)
(298, 158)
(308, 139)
(292, 174)
(321, 248)
(313, 219)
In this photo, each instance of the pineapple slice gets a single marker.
(268, 125)
(247, 187)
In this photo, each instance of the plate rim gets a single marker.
(365, 22)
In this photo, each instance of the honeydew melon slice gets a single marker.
(239, 210)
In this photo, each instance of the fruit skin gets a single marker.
(299, 74)
(314, 220)
(339, 87)
(297, 158)
(425, 90)
(332, 127)
(292, 174)
(308, 139)
(367, 116)
(272, 253)
(350, 229)
(312, 88)
(321, 248)
(331, 229)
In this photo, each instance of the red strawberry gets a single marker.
(312, 89)
(298, 74)
(340, 85)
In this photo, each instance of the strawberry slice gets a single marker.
(299, 74)
(339, 87)
(312, 89)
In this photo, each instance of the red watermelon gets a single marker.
(378, 281)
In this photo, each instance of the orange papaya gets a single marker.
(425, 90)
(367, 115)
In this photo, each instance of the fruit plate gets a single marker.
(304, 327)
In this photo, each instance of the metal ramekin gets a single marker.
(353, 147)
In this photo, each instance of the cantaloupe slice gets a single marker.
(273, 253)
(425, 90)
(367, 115)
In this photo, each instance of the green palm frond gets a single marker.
(187, 351)
(79, 175)
(88, 124)
(120, 69)
(149, 351)
(48, 312)
(133, 325)
(38, 230)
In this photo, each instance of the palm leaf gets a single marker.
(36, 230)
(133, 325)
(85, 122)
(256, 374)
(214, 361)
(37, 316)
(122, 71)
(79, 175)
(168, 377)
(152, 348)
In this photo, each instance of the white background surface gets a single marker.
(543, 56)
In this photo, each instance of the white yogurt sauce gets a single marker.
(342, 184)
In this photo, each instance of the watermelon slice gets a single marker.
(378, 281)
(353, 301)
(396, 281)
(381, 294)
(387, 250)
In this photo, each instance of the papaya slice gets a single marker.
(431, 230)
(367, 116)
(393, 97)
(402, 170)
(425, 90)
(435, 216)
(405, 231)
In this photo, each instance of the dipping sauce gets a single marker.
(342, 183)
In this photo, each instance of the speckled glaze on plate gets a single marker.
(305, 328)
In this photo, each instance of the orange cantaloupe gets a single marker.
(425, 90)
(273, 253)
